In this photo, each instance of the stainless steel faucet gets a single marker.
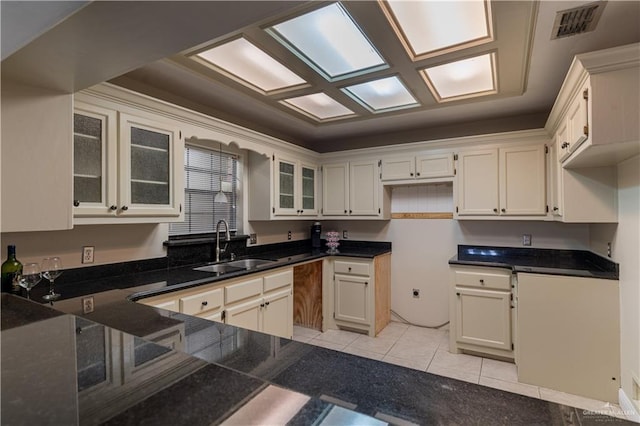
(227, 236)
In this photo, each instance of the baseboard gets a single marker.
(628, 407)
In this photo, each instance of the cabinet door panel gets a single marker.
(245, 315)
(483, 318)
(151, 168)
(309, 190)
(285, 190)
(578, 120)
(352, 299)
(398, 168)
(277, 314)
(522, 181)
(335, 189)
(478, 182)
(363, 188)
(433, 166)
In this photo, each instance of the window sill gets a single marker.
(200, 239)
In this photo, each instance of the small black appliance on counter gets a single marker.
(316, 230)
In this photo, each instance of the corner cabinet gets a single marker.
(127, 173)
(361, 293)
(353, 190)
(500, 182)
(480, 309)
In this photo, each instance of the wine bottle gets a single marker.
(10, 269)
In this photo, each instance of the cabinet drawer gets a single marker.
(483, 279)
(243, 290)
(202, 302)
(352, 268)
(281, 279)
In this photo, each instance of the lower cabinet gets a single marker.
(260, 302)
(362, 293)
(481, 311)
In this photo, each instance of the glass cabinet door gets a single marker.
(148, 158)
(308, 191)
(285, 187)
(94, 184)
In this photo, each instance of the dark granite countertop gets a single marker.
(141, 284)
(71, 369)
(575, 263)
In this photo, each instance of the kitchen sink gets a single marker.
(249, 263)
(219, 268)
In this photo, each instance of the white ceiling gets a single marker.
(136, 44)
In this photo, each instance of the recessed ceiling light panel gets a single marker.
(429, 28)
(248, 64)
(330, 42)
(318, 106)
(462, 79)
(382, 95)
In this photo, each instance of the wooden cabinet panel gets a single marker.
(278, 280)
(398, 168)
(351, 268)
(243, 290)
(434, 166)
(481, 279)
(307, 295)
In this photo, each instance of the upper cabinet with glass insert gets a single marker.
(295, 188)
(128, 174)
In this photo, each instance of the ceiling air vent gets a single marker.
(577, 20)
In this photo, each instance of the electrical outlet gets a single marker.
(87, 305)
(416, 293)
(345, 234)
(253, 238)
(288, 235)
(87, 254)
(526, 239)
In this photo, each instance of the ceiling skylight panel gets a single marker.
(464, 78)
(329, 41)
(251, 65)
(382, 95)
(426, 27)
(318, 106)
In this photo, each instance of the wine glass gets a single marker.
(30, 277)
(51, 269)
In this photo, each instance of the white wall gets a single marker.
(625, 240)
(113, 243)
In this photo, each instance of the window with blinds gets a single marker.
(203, 171)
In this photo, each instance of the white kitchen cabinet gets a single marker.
(295, 188)
(277, 313)
(554, 181)
(260, 302)
(95, 150)
(361, 293)
(353, 189)
(480, 311)
(417, 167)
(569, 334)
(508, 181)
(599, 105)
(246, 315)
(127, 173)
(37, 159)
(282, 187)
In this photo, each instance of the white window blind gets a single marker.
(203, 169)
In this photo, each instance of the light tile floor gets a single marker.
(428, 350)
